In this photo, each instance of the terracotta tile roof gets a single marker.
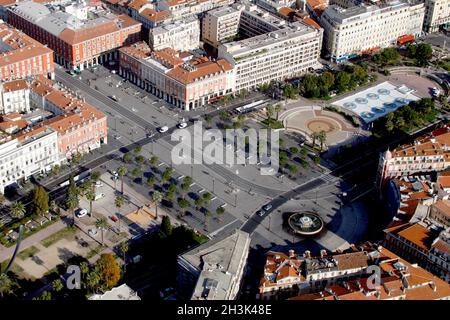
(15, 85)
(138, 50)
(417, 234)
(42, 86)
(167, 56)
(442, 246)
(155, 16)
(72, 36)
(312, 23)
(201, 70)
(22, 46)
(7, 125)
(27, 135)
(68, 121)
(316, 3)
(286, 12)
(7, 2)
(12, 116)
(137, 4)
(443, 206)
(352, 260)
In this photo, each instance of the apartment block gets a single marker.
(422, 243)
(14, 96)
(437, 15)
(57, 126)
(366, 27)
(429, 153)
(31, 151)
(179, 78)
(284, 53)
(214, 270)
(78, 36)
(221, 24)
(21, 56)
(399, 280)
(286, 275)
(178, 35)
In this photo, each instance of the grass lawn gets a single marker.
(272, 123)
(27, 253)
(95, 251)
(64, 233)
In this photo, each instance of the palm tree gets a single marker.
(277, 108)
(314, 136)
(17, 210)
(220, 211)
(90, 196)
(57, 285)
(157, 198)
(5, 284)
(121, 171)
(124, 249)
(322, 138)
(269, 111)
(118, 202)
(102, 224)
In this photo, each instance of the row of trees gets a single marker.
(320, 86)
(408, 117)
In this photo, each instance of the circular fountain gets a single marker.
(305, 223)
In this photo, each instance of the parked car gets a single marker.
(261, 213)
(163, 129)
(114, 98)
(81, 213)
(182, 125)
(99, 184)
(267, 207)
(99, 196)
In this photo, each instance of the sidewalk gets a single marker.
(6, 253)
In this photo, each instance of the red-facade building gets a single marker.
(77, 42)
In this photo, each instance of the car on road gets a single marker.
(261, 213)
(72, 73)
(92, 232)
(81, 213)
(163, 129)
(114, 218)
(182, 125)
(117, 137)
(435, 92)
(114, 98)
(267, 207)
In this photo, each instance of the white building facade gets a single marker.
(179, 35)
(26, 155)
(359, 29)
(14, 97)
(437, 15)
(220, 24)
(281, 54)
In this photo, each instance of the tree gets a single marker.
(151, 181)
(123, 247)
(57, 285)
(322, 138)
(72, 199)
(136, 172)
(157, 198)
(198, 202)
(422, 53)
(140, 160)
(84, 268)
(277, 108)
(44, 296)
(243, 93)
(6, 284)
(223, 115)
(95, 176)
(187, 181)
(109, 270)
(289, 91)
(342, 81)
(122, 172)
(166, 226)
(138, 150)
(208, 118)
(154, 160)
(118, 202)
(208, 216)
(2, 199)
(293, 169)
(269, 111)
(220, 211)
(93, 280)
(183, 203)
(40, 201)
(90, 196)
(167, 174)
(127, 157)
(102, 224)
(17, 210)
(314, 136)
(293, 150)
